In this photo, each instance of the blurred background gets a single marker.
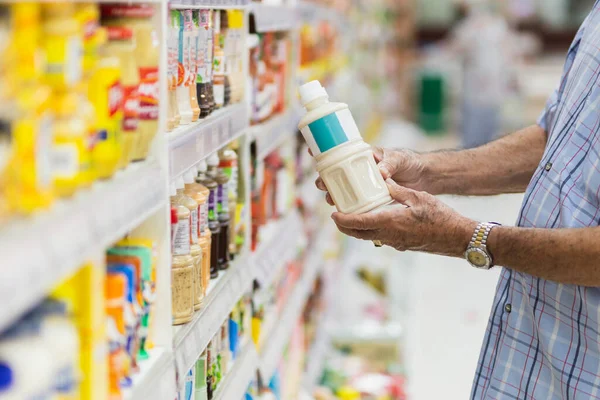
(161, 236)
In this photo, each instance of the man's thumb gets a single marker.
(401, 194)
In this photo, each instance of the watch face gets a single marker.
(478, 258)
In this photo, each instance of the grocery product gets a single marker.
(222, 210)
(228, 163)
(183, 67)
(204, 63)
(194, 57)
(344, 161)
(115, 290)
(213, 217)
(200, 383)
(210, 43)
(182, 266)
(172, 69)
(204, 234)
(121, 44)
(218, 80)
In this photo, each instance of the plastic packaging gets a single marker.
(344, 161)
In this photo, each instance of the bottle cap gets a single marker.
(213, 160)
(188, 177)
(311, 91)
(202, 166)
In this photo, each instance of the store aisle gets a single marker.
(448, 301)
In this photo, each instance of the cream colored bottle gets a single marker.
(205, 236)
(344, 161)
(182, 266)
(195, 250)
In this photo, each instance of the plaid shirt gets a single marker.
(543, 337)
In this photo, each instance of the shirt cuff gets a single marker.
(547, 116)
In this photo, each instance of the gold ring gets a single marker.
(377, 243)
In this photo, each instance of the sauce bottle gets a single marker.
(182, 266)
(200, 194)
(203, 62)
(138, 17)
(210, 43)
(194, 50)
(183, 67)
(172, 69)
(200, 383)
(218, 65)
(203, 231)
(222, 209)
(121, 44)
(344, 161)
(228, 163)
(225, 44)
(213, 219)
(195, 249)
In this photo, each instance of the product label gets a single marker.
(203, 218)
(65, 160)
(203, 59)
(115, 98)
(209, 46)
(330, 131)
(181, 47)
(194, 226)
(149, 92)
(131, 105)
(212, 205)
(188, 27)
(232, 173)
(219, 64)
(73, 61)
(222, 198)
(181, 246)
(172, 51)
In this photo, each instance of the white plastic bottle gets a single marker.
(183, 91)
(344, 161)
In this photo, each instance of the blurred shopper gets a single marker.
(543, 337)
(482, 41)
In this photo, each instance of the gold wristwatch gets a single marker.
(477, 253)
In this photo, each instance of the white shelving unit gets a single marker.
(239, 377)
(192, 338)
(273, 133)
(192, 143)
(270, 18)
(41, 251)
(156, 379)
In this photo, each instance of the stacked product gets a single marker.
(205, 63)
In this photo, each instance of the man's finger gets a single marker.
(401, 194)
(329, 199)
(320, 184)
(361, 222)
(310, 152)
(355, 233)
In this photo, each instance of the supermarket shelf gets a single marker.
(312, 13)
(214, 4)
(270, 18)
(189, 144)
(156, 379)
(278, 247)
(271, 134)
(192, 338)
(50, 246)
(241, 374)
(316, 356)
(274, 347)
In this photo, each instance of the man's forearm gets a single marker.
(570, 256)
(503, 166)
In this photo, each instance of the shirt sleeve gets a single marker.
(547, 116)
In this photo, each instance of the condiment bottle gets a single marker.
(203, 63)
(196, 250)
(228, 163)
(200, 194)
(218, 65)
(222, 209)
(225, 44)
(183, 68)
(71, 160)
(200, 383)
(344, 161)
(182, 266)
(194, 50)
(115, 287)
(203, 231)
(210, 42)
(172, 67)
(138, 17)
(213, 219)
(121, 44)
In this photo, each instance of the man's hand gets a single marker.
(403, 166)
(425, 224)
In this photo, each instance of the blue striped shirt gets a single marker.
(543, 337)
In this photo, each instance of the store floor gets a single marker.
(448, 302)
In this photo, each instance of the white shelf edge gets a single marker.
(241, 374)
(271, 18)
(72, 232)
(192, 338)
(273, 349)
(271, 134)
(278, 249)
(316, 354)
(156, 379)
(189, 144)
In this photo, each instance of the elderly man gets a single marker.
(543, 337)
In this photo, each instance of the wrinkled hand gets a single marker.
(403, 166)
(426, 224)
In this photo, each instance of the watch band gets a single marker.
(481, 234)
